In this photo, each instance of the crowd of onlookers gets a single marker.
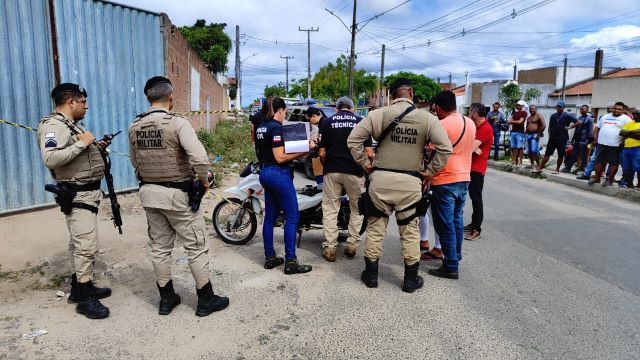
(595, 150)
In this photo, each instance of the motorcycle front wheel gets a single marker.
(234, 223)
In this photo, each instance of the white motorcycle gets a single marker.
(235, 218)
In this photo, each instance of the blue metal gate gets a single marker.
(107, 48)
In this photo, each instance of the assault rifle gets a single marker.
(115, 207)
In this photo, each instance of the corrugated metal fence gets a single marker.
(107, 48)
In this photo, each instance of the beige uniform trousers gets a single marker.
(83, 231)
(334, 183)
(389, 193)
(169, 218)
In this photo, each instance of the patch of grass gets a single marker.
(207, 221)
(228, 144)
(28, 271)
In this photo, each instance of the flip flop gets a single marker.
(555, 172)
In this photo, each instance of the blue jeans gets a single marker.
(447, 207)
(279, 195)
(517, 140)
(533, 145)
(592, 162)
(496, 143)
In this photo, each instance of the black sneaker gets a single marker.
(582, 177)
(272, 262)
(293, 267)
(443, 272)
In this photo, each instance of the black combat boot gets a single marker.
(100, 293)
(208, 302)
(88, 304)
(370, 274)
(168, 298)
(412, 281)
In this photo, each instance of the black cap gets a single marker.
(399, 82)
(68, 88)
(155, 81)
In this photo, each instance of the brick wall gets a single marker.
(180, 60)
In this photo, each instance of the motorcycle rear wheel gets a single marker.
(242, 230)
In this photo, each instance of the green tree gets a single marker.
(509, 94)
(332, 81)
(424, 88)
(532, 94)
(210, 43)
(233, 91)
(275, 90)
(298, 87)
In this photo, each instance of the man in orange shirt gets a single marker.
(450, 185)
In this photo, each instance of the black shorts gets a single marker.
(555, 144)
(608, 154)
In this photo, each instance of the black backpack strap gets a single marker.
(464, 128)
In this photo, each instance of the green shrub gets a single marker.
(229, 146)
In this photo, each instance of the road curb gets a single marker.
(613, 191)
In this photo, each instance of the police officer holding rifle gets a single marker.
(74, 158)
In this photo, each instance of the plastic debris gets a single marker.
(217, 158)
(34, 334)
(60, 293)
(182, 261)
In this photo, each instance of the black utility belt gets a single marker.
(78, 188)
(185, 186)
(412, 173)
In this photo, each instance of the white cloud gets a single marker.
(606, 36)
(486, 55)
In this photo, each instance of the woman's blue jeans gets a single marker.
(447, 210)
(279, 195)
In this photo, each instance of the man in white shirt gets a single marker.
(607, 136)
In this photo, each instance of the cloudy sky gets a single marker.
(433, 37)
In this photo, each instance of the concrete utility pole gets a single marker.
(466, 88)
(352, 58)
(309, 57)
(515, 69)
(564, 76)
(382, 78)
(237, 100)
(287, 69)
(450, 82)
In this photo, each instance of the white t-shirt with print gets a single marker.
(610, 126)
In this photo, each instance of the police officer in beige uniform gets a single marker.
(72, 155)
(396, 176)
(167, 156)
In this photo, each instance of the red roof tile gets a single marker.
(586, 87)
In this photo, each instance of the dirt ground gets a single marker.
(34, 266)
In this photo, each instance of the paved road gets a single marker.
(555, 276)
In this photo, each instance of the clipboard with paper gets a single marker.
(296, 137)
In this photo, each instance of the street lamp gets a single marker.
(239, 81)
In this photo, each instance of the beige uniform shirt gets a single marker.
(68, 158)
(376, 121)
(155, 196)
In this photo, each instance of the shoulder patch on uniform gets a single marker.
(277, 138)
(50, 143)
